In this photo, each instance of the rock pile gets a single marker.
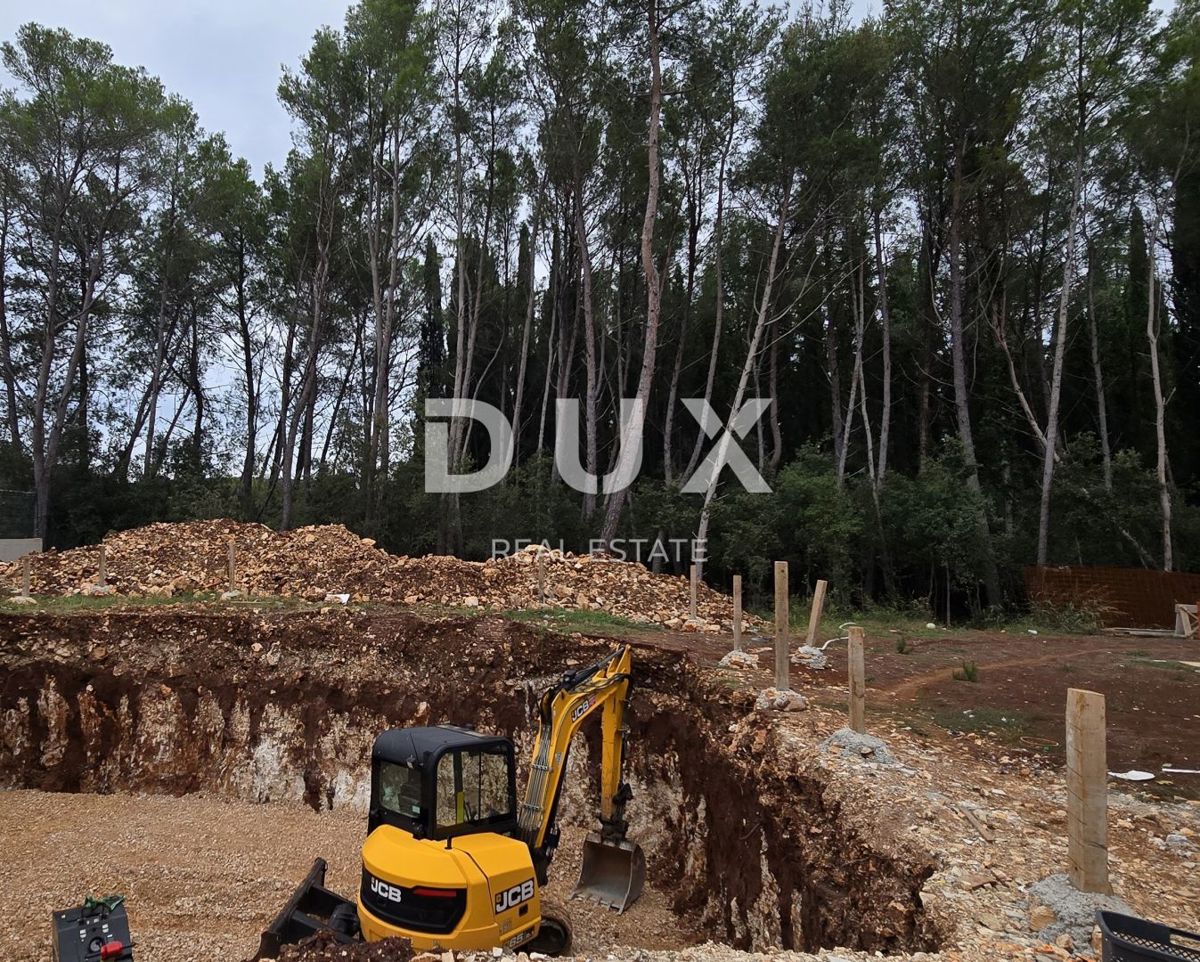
(322, 947)
(166, 560)
(193, 557)
(604, 584)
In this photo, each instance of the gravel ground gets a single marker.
(204, 875)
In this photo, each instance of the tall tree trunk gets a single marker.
(751, 362)
(654, 286)
(1098, 379)
(555, 254)
(926, 268)
(693, 234)
(530, 305)
(592, 383)
(301, 409)
(832, 367)
(1060, 352)
(1160, 410)
(247, 480)
(10, 378)
(777, 336)
(718, 242)
(991, 575)
(885, 320)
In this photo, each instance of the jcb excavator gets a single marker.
(451, 861)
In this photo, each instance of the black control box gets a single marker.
(93, 932)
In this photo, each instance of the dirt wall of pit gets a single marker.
(285, 707)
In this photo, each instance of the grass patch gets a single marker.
(1007, 723)
(913, 621)
(968, 672)
(83, 604)
(584, 620)
(89, 604)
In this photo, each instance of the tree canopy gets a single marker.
(957, 245)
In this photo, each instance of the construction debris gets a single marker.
(772, 699)
(739, 659)
(1058, 909)
(332, 564)
(323, 947)
(809, 656)
(859, 746)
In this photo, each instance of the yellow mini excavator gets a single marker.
(451, 861)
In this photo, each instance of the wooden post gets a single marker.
(103, 579)
(232, 568)
(858, 683)
(737, 612)
(781, 626)
(693, 578)
(818, 611)
(1087, 792)
(25, 577)
(541, 562)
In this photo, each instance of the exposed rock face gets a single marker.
(285, 707)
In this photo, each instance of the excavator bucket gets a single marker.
(613, 873)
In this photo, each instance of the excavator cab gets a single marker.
(442, 782)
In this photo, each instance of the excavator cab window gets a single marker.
(474, 789)
(440, 781)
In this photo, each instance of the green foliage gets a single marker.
(1081, 619)
(968, 672)
(930, 518)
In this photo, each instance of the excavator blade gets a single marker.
(612, 874)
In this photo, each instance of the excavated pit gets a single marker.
(281, 707)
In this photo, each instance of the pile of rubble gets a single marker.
(167, 560)
(193, 557)
(323, 947)
(602, 583)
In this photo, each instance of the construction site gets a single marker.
(189, 712)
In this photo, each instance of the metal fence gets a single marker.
(1123, 597)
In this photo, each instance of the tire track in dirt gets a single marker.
(911, 687)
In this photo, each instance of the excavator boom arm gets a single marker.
(602, 687)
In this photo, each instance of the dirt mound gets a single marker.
(323, 947)
(602, 583)
(193, 556)
(164, 560)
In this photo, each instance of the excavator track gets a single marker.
(554, 936)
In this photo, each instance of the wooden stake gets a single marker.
(858, 683)
(737, 612)
(103, 580)
(25, 577)
(1087, 792)
(693, 578)
(541, 558)
(232, 568)
(781, 626)
(818, 611)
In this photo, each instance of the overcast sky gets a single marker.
(224, 56)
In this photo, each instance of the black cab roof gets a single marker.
(409, 746)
